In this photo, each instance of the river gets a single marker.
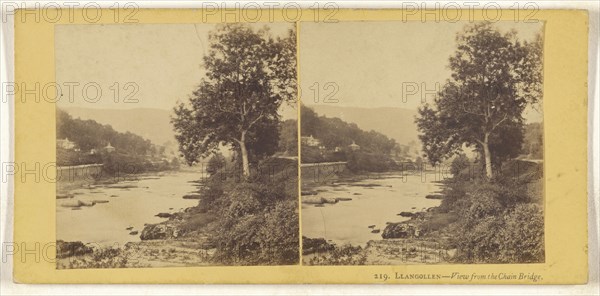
(375, 201)
(131, 204)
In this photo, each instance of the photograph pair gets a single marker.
(303, 143)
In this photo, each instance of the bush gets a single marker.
(344, 255)
(497, 225)
(359, 161)
(311, 154)
(523, 235)
(257, 218)
(480, 202)
(459, 164)
(215, 163)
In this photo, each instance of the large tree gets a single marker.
(494, 77)
(249, 74)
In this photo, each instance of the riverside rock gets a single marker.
(77, 204)
(163, 215)
(313, 200)
(434, 196)
(319, 200)
(192, 196)
(399, 230)
(156, 231)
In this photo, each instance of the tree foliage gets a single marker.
(89, 134)
(334, 132)
(494, 77)
(249, 74)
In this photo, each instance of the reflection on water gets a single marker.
(131, 204)
(370, 209)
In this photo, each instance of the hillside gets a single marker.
(396, 123)
(151, 124)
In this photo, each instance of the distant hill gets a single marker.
(151, 124)
(396, 123)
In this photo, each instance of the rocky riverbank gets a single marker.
(155, 253)
(182, 240)
(421, 238)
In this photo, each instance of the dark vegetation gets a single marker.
(497, 221)
(132, 154)
(335, 136)
(256, 220)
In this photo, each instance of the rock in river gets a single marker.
(163, 215)
(64, 195)
(434, 196)
(77, 204)
(319, 200)
(192, 196)
(406, 214)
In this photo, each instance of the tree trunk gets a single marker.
(488, 156)
(245, 164)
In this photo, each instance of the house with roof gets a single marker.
(354, 146)
(310, 141)
(65, 144)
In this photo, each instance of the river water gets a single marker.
(131, 204)
(374, 202)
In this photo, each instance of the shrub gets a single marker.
(359, 161)
(344, 255)
(459, 164)
(498, 227)
(523, 235)
(497, 223)
(481, 201)
(215, 163)
(257, 218)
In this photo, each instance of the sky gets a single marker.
(369, 62)
(162, 63)
(377, 64)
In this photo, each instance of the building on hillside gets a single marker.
(310, 141)
(354, 147)
(109, 148)
(65, 144)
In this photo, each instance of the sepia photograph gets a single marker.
(421, 143)
(178, 146)
(284, 145)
